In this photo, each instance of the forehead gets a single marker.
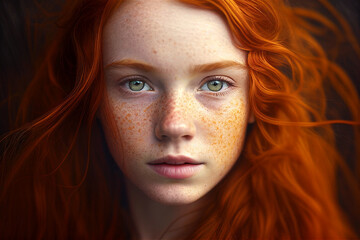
(166, 33)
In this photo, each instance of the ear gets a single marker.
(251, 117)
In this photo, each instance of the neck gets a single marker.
(154, 220)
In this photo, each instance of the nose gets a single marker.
(175, 120)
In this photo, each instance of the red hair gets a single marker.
(59, 182)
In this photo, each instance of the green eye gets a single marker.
(136, 85)
(215, 85)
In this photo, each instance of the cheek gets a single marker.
(132, 123)
(226, 132)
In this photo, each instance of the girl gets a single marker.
(179, 120)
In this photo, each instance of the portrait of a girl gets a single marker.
(191, 119)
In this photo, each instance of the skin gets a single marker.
(176, 113)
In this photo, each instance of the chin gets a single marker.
(175, 194)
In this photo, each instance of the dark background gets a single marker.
(27, 24)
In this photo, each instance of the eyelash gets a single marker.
(218, 78)
(124, 83)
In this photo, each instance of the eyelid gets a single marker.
(229, 81)
(224, 78)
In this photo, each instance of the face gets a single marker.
(177, 91)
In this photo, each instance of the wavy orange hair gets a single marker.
(58, 182)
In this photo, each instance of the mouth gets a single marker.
(176, 167)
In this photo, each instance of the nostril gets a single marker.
(188, 137)
(167, 138)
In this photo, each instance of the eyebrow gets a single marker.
(132, 64)
(200, 68)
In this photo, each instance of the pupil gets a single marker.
(215, 85)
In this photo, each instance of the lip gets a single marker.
(174, 160)
(176, 167)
